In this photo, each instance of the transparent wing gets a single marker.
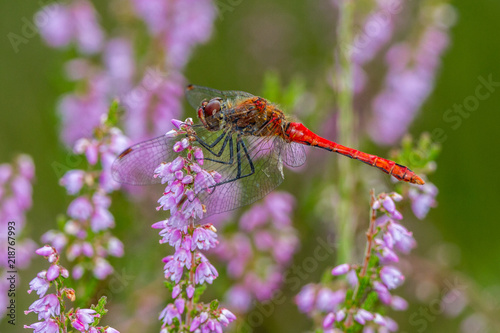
(250, 166)
(248, 176)
(136, 165)
(196, 94)
(293, 154)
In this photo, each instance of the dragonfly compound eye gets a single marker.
(212, 107)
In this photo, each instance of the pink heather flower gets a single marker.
(101, 219)
(115, 247)
(88, 33)
(77, 271)
(280, 206)
(192, 209)
(82, 318)
(391, 277)
(423, 199)
(352, 278)
(204, 239)
(53, 23)
(5, 173)
(341, 269)
(53, 272)
(306, 298)
(176, 291)
(228, 314)
(253, 218)
(183, 257)
(71, 107)
(57, 239)
(362, 316)
(329, 320)
(80, 208)
(412, 69)
(22, 190)
(46, 307)
(46, 251)
(239, 297)
(47, 326)
(152, 103)
(198, 155)
(119, 61)
(73, 181)
(198, 320)
(74, 251)
(87, 249)
(177, 164)
(379, 320)
(398, 303)
(102, 268)
(39, 284)
(177, 123)
(190, 291)
(169, 313)
(385, 253)
(340, 315)
(402, 238)
(173, 269)
(382, 292)
(172, 236)
(60, 24)
(205, 272)
(179, 304)
(327, 300)
(284, 246)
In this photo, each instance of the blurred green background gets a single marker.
(467, 178)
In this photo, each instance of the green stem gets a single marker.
(346, 220)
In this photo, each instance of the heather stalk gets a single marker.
(356, 303)
(344, 75)
(51, 308)
(84, 235)
(188, 271)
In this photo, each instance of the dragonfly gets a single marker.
(247, 140)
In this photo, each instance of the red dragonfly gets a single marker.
(246, 139)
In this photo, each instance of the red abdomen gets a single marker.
(297, 132)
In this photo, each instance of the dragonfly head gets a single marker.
(208, 111)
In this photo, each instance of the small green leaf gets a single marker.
(114, 114)
(198, 292)
(214, 305)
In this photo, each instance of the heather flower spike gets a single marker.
(187, 269)
(52, 313)
(369, 284)
(85, 233)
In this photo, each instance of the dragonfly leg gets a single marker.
(238, 156)
(210, 145)
(229, 139)
(239, 144)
